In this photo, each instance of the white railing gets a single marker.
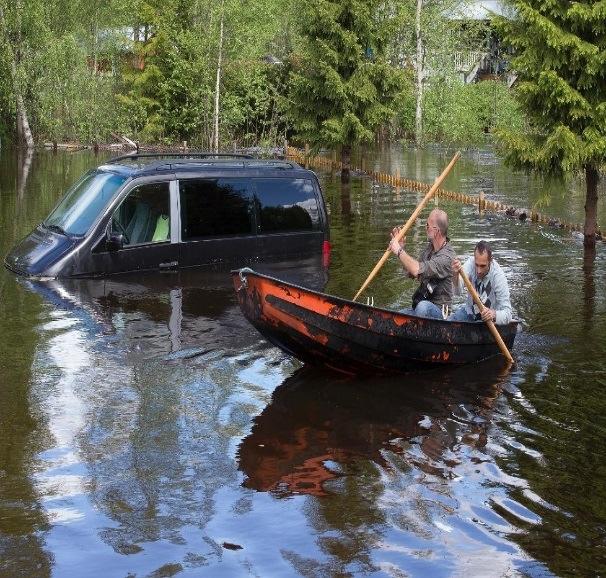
(465, 61)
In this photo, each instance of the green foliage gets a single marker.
(139, 96)
(7, 102)
(460, 114)
(445, 32)
(561, 59)
(185, 91)
(172, 98)
(147, 69)
(22, 25)
(250, 106)
(444, 29)
(64, 54)
(68, 101)
(341, 88)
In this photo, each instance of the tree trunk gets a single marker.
(345, 163)
(217, 86)
(23, 127)
(591, 205)
(419, 73)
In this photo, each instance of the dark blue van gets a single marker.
(145, 212)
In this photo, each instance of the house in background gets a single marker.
(490, 60)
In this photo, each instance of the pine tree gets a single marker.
(560, 56)
(341, 86)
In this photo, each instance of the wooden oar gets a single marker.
(411, 220)
(491, 326)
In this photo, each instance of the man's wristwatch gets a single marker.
(399, 251)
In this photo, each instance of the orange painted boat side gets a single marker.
(326, 330)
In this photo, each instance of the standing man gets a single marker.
(433, 268)
(489, 281)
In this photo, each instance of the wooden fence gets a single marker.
(304, 157)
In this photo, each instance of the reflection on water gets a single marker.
(168, 312)
(404, 471)
(318, 424)
(146, 429)
(589, 294)
(24, 160)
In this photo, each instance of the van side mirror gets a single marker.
(114, 241)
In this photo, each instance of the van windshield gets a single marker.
(84, 202)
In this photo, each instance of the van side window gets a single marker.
(215, 207)
(286, 205)
(144, 216)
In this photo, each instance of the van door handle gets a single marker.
(169, 265)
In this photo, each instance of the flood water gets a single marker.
(147, 430)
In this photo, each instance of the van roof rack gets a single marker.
(169, 161)
(184, 155)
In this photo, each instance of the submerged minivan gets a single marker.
(144, 212)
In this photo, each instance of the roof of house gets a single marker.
(480, 10)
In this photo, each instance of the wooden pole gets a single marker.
(490, 324)
(410, 221)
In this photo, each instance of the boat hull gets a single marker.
(356, 338)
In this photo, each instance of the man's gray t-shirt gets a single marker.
(435, 273)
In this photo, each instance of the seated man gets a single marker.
(489, 281)
(433, 268)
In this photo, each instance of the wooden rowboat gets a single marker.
(355, 338)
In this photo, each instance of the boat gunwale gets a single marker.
(343, 301)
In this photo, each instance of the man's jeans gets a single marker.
(461, 315)
(426, 309)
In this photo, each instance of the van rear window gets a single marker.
(215, 207)
(286, 205)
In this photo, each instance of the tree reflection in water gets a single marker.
(588, 308)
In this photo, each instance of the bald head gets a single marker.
(439, 219)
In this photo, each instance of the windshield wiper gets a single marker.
(57, 229)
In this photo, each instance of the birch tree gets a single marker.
(218, 81)
(10, 42)
(419, 74)
(430, 34)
